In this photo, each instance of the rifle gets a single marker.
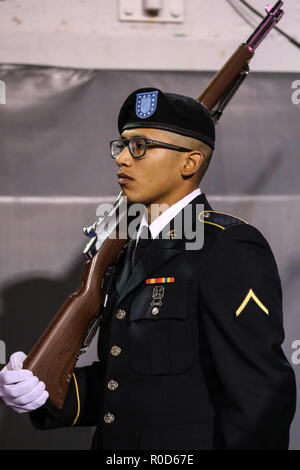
(226, 82)
(69, 334)
(52, 359)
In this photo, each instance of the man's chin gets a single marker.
(133, 198)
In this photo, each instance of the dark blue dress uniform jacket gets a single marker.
(205, 368)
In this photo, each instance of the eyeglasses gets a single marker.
(138, 146)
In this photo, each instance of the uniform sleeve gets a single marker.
(81, 402)
(242, 304)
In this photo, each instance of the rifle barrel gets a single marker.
(274, 15)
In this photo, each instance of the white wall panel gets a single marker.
(88, 34)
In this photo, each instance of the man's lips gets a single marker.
(123, 178)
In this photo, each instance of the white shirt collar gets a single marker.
(161, 221)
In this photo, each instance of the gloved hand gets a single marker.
(19, 388)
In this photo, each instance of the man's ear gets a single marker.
(192, 163)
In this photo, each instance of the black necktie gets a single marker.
(142, 243)
(125, 267)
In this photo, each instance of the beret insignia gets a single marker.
(146, 104)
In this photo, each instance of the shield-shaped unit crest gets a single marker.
(146, 104)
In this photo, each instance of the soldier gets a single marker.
(190, 340)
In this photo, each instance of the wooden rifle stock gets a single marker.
(54, 356)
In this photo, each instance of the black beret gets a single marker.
(150, 107)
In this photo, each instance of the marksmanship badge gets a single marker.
(157, 296)
(146, 104)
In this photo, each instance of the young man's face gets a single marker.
(156, 178)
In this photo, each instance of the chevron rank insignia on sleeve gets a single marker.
(248, 297)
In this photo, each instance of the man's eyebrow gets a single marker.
(142, 136)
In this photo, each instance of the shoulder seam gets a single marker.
(207, 213)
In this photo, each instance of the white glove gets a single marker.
(19, 388)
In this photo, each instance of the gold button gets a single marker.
(155, 311)
(120, 314)
(115, 350)
(206, 214)
(112, 385)
(109, 418)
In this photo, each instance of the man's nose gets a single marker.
(124, 158)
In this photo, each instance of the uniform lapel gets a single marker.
(158, 252)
